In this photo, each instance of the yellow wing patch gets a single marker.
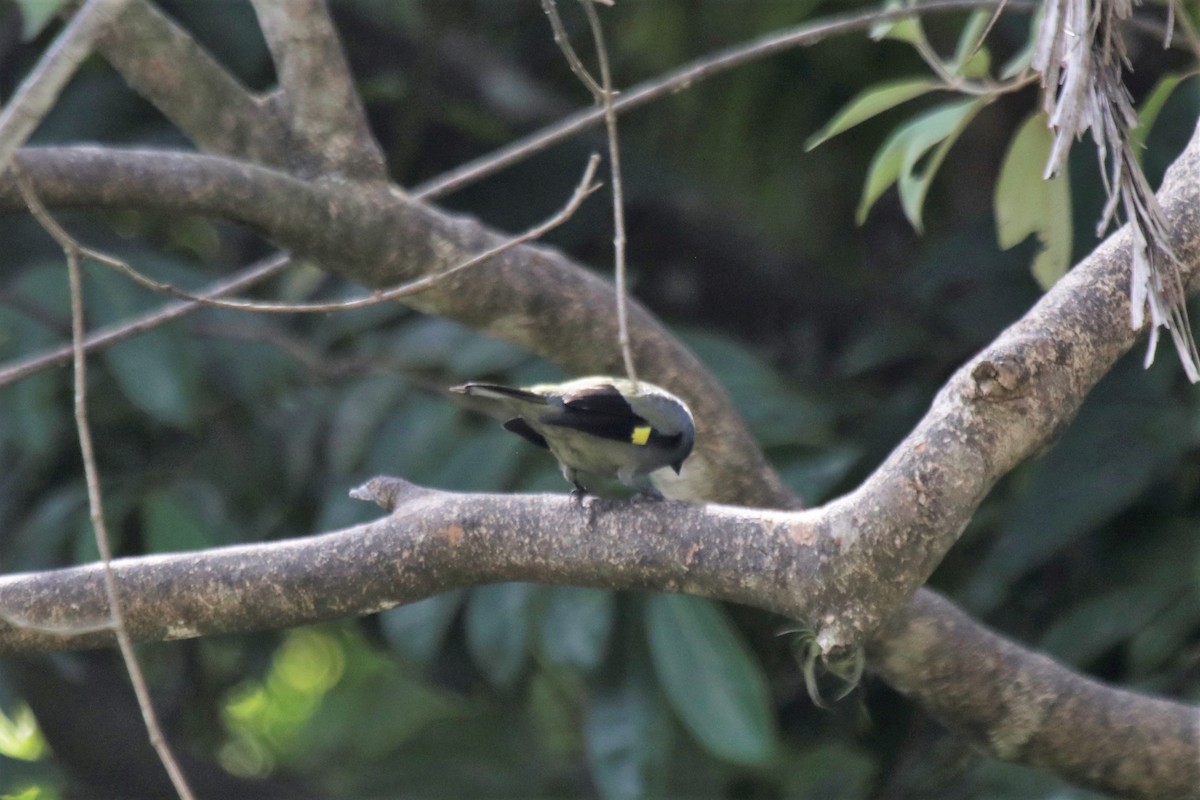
(641, 434)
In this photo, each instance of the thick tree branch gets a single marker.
(433, 541)
(531, 295)
(882, 540)
(1008, 403)
(38, 92)
(317, 93)
(1025, 707)
(997, 410)
(165, 65)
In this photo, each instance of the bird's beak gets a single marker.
(677, 466)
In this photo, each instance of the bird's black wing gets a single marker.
(521, 428)
(600, 411)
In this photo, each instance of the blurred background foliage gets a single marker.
(831, 338)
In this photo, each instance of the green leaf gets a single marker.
(1022, 58)
(42, 535)
(157, 370)
(968, 50)
(778, 411)
(1081, 484)
(36, 412)
(1093, 626)
(497, 629)
(905, 29)
(870, 103)
(1152, 106)
(883, 172)
(417, 630)
(628, 728)
(1166, 636)
(35, 14)
(710, 678)
(361, 411)
(171, 525)
(1026, 203)
(897, 157)
(978, 66)
(577, 627)
(938, 129)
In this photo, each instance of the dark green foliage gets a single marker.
(831, 339)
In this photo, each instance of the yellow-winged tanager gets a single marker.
(598, 427)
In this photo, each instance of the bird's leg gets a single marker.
(643, 488)
(579, 495)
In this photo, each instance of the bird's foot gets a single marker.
(582, 499)
(647, 496)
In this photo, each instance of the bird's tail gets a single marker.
(496, 391)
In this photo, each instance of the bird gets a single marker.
(598, 427)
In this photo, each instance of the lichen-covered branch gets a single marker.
(36, 95)
(531, 295)
(165, 65)
(1006, 404)
(1019, 706)
(1022, 706)
(317, 93)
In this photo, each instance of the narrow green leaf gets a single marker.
(577, 627)
(900, 152)
(1027, 204)
(361, 411)
(35, 14)
(157, 371)
(970, 39)
(171, 525)
(1152, 106)
(417, 630)
(905, 29)
(1166, 636)
(1093, 626)
(627, 726)
(978, 66)
(497, 629)
(883, 172)
(870, 103)
(938, 129)
(710, 678)
(1023, 57)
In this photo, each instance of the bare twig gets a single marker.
(584, 188)
(107, 337)
(614, 158)
(72, 250)
(603, 94)
(37, 93)
(564, 44)
(683, 78)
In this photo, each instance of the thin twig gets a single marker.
(683, 78)
(584, 188)
(37, 93)
(618, 193)
(191, 302)
(564, 44)
(72, 250)
(107, 337)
